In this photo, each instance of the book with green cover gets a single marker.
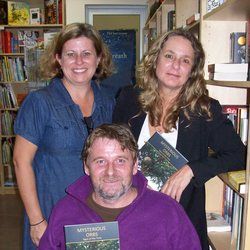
(103, 235)
(238, 180)
(158, 160)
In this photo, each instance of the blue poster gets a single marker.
(122, 45)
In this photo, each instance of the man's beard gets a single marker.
(114, 196)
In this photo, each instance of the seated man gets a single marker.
(114, 190)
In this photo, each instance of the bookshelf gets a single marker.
(158, 21)
(213, 30)
(19, 75)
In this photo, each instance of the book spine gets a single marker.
(238, 47)
(193, 18)
(171, 20)
(7, 41)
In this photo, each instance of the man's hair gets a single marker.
(120, 133)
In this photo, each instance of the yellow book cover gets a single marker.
(18, 13)
(237, 179)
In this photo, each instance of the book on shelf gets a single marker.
(152, 6)
(51, 11)
(228, 67)
(12, 69)
(18, 13)
(228, 76)
(48, 37)
(238, 47)
(213, 4)
(60, 12)
(30, 38)
(248, 41)
(238, 114)
(7, 119)
(243, 124)
(237, 221)
(35, 17)
(238, 180)
(7, 96)
(158, 160)
(171, 20)
(227, 203)
(195, 17)
(216, 223)
(3, 12)
(7, 41)
(103, 235)
(1, 41)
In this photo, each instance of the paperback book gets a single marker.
(18, 13)
(195, 17)
(216, 223)
(238, 180)
(50, 11)
(226, 76)
(30, 39)
(104, 235)
(158, 160)
(3, 12)
(228, 67)
(238, 47)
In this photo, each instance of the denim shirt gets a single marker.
(51, 120)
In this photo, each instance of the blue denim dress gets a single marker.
(51, 120)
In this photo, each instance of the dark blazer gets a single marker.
(193, 142)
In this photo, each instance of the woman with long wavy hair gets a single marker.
(171, 98)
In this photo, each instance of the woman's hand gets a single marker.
(36, 232)
(176, 183)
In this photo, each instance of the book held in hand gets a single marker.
(103, 235)
(158, 160)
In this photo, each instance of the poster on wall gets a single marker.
(122, 44)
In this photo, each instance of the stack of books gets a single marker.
(228, 71)
(216, 223)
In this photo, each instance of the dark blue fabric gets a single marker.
(51, 120)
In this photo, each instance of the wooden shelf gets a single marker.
(31, 26)
(220, 240)
(11, 54)
(158, 10)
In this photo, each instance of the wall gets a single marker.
(75, 9)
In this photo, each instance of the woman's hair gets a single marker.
(193, 97)
(49, 66)
(120, 133)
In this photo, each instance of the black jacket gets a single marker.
(193, 142)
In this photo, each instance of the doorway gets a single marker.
(127, 12)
